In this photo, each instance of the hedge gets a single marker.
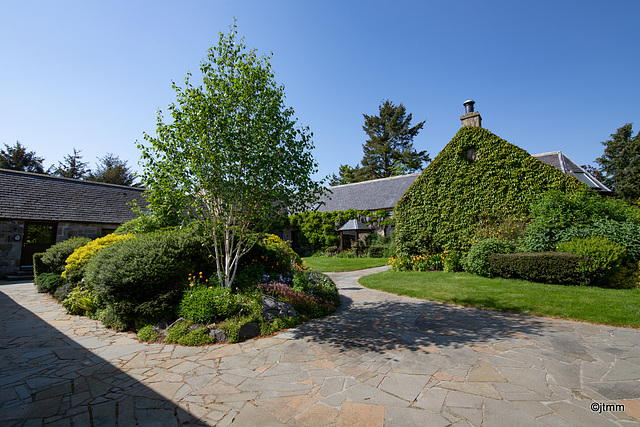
(477, 179)
(546, 267)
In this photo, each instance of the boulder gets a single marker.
(248, 331)
(273, 308)
(219, 335)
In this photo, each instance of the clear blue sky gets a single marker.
(545, 75)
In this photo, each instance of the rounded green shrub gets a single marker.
(197, 337)
(146, 276)
(80, 302)
(477, 260)
(49, 282)
(177, 331)
(148, 333)
(77, 261)
(602, 257)
(55, 258)
(202, 304)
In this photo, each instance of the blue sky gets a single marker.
(545, 75)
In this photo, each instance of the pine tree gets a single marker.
(620, 163)
(72, 166)
(18, 158)
(112, 170)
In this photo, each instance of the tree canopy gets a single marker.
(72, 166)
(620, 163)
(388, 150)
(18, 158)
(232, 158)
(112, 170)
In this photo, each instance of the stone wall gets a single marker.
(10, 248)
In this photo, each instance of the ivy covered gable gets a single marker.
(477, 179)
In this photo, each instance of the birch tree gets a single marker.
(232, 157)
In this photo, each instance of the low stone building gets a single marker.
(38, 210)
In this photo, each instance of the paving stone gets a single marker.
(617, 390)
(404, 417)
(406, 387)
(319, 415)
(251, 415)
(473, 416)
(575, 415)
(286, 408)
(478, 389)
(484, 372)
(462, 400)
(361, 414)
(499, 413)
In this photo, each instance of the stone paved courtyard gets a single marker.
(380, 360)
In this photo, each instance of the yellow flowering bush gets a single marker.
(76, 262)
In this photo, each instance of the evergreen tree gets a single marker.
(18, 158)
(112, 170)
(72, 166)
(389, 150)
(620, 163)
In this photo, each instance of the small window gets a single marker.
(472, 154)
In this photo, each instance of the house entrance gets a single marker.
(38, 237)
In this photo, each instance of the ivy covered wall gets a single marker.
(477, 179)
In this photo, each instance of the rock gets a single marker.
(162, 326)
(248, 331)
(219, 335)
(195, 327)
(273, 308)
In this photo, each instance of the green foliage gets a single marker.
(148, 333)
(601, 257)
(269, 256)
(111, 319)
(197, 337)
(49, 282)
(55, 258)
(317, 230)
(73, 166)
(376, 251)
(476, 179)
(202, 304)
(626, 234)
(477, 260)
(178, 331)
(63, 291)
(232, 157)
(80, 301)
(77, 261)
(279, 323)
(555, 212)
(303, 303)
(389, 150)
(627, 276)
(112, 170)
(146, 276)
(18, 158)
(39, 267)
(545, 267)
(448, 261)
(232, 326)
(620, 163)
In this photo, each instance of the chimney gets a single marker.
(470, 117)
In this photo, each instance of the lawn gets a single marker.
(342, 264)
(618, 307)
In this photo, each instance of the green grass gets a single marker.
(618, 307)
(342, 264)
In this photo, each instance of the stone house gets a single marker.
(38, 210)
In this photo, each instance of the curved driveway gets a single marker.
(380, 359)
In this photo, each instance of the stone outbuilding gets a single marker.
(38, 210)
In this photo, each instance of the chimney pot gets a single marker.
(468, 106)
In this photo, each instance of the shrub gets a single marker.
(148, 333)
(49, 282)
(232, 326)
(601, 257)
(63, 291)
(627, 276)
(270, 256)
(458, 192)
(376, 251)
(477, 260)
(54, 258)
(561, 216)
(178, 330)
(145, 276)
(626, 234)
(77, 261)
(321, 286)
(202, 304)
(80, 301)
(197, 337)
(39, 267)
(279, 323)
(545, 267)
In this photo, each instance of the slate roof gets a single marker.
(560, 161)
(371, 195)
(30, 196)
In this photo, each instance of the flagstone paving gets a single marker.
(381, 359)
